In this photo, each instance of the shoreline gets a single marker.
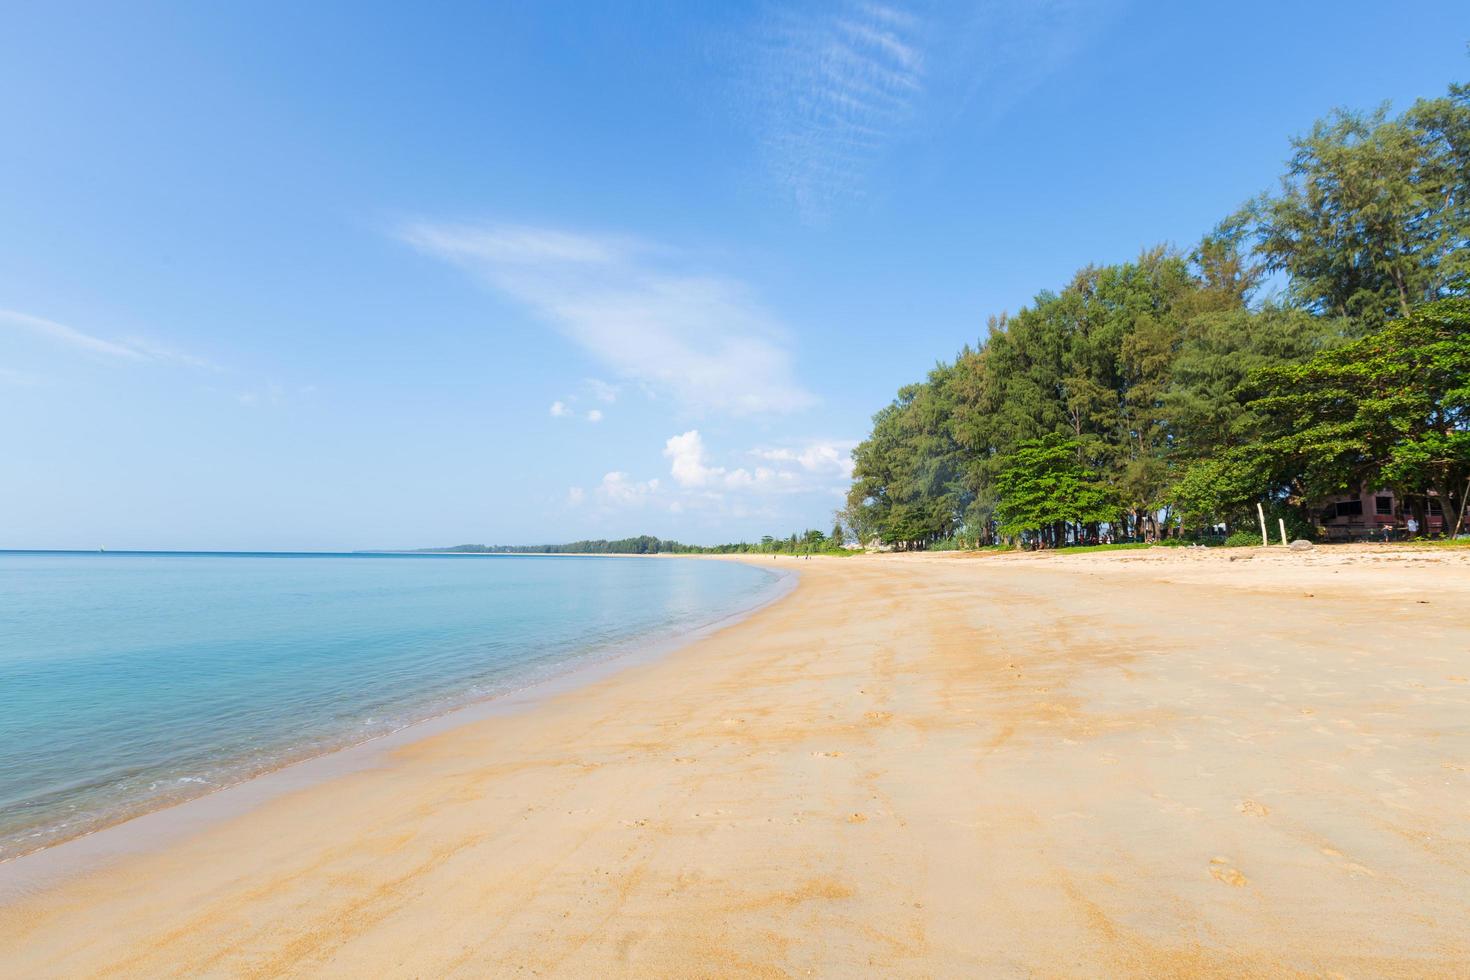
(1188, 765)
(172, 818)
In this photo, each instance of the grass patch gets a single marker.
(1078, 549)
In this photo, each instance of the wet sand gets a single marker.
(1146, 763)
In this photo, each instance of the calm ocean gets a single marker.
(131, 680)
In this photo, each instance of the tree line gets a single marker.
(643, 544)
(1315, 342)
(809, 542)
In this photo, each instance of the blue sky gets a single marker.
(327, 276)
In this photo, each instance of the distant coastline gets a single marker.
(809, 542)
(641, 545)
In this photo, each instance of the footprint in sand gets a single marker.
(1220, 868)
(1252, 808)
(857, 818)
(826, 755)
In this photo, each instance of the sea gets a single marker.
(130, 681)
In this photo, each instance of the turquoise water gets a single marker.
(133, 680)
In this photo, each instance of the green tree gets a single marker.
(1206, 414)
(1220, 490)
(1373, 216)
(1043, 488)
(1392, 408)
(1144, 369)
(906, 474)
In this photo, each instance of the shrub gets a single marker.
(1243, 539)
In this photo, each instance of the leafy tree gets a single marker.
(1185, 398)
(1205, 412)
(1393, 407)
(1221, 490)
(1373, 216)
(1043, 487)
(906, 474)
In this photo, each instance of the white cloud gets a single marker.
(816, 466)
(688, 466)
(575, 496)
(832, 91)
(830, 456)
(617, 488)
(700, 337)
(686, 454)
(810, 477)
(594, 415)
(131, 349)
(559, 410)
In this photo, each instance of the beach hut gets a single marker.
(1375, 515)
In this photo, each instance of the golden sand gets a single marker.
(1161, 763)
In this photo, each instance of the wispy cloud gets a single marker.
(154, 351)
(130, 349)
(832, 90)
(602, 391)
(1002, 51)
(701, 337)
(564, 410)
(619, 489)
(70, 336)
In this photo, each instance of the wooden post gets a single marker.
(1281, 523)
(1464, 499)
(1261, 513)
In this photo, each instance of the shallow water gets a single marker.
(129, 681)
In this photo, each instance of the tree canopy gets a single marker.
(1042, 485)
(1311, 343)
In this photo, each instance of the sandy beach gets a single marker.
(1162, 763)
